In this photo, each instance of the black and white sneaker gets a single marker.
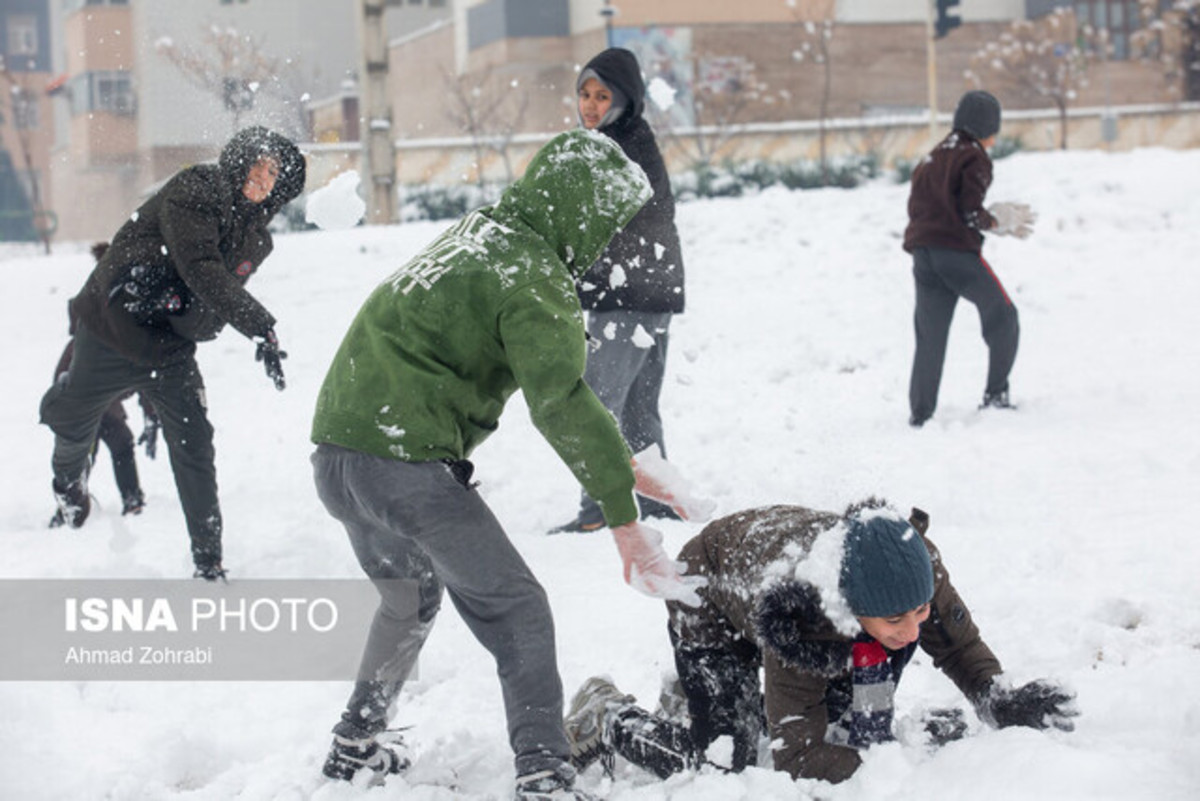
(553, 784)
(133, 503)
(347, 757)
(590, 709)
(210, 572)
(74, 503)
(997, 400)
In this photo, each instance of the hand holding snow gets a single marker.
(336, 205)
(1013, 219)
(658, 479)
(649, 570)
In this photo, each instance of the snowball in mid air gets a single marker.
(337, 204)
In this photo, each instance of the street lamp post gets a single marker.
(608, 12)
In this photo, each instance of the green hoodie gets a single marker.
(487, 308)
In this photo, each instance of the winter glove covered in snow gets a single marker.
(658, 479)
(1013, 219)
(649, 570)
(149, 436)
(1039, 705)
(271, 356)
(944, 725)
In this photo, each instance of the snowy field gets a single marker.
(1065, 525)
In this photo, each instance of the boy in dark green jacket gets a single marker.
(419, 381)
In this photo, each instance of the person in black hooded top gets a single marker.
(634, 288)
(173, 276)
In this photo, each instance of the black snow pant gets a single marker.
(117, 437)
(943, 276)
(98, 375)
(723, 698)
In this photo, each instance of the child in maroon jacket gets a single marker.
(947, 219)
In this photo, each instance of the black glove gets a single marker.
(944, 725)
(1039, 705)
(271, 356)
(149, 436)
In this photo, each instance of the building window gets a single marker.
(22, 36)
(75, 5)
(110, 91)
(1118, 17)
(24, 109)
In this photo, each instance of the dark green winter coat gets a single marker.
(750, 560)
(488, 308)
(176, 271)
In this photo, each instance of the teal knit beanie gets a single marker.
(885, 566)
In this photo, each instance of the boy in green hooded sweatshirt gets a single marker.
(420, 380)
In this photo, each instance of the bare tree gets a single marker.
(489, 110)
(813, 48)
(1043, 59)
(1170, 38)
(236, 68)
(724, 87)
(17, 102)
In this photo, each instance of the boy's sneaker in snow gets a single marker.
(555, 784)
(585, 722)
(210, 572)
(347, 757)
(996, 400)
(73, 501)
(133, 503)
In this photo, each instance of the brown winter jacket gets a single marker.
(196, 241)
(749, 559)
(945, 205)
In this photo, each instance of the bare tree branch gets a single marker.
(1046, 59)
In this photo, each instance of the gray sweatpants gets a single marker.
(626, 373)
(421, 523)
(98, 375)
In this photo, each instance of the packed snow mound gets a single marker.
(336, 206)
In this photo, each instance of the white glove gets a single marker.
(1013, 219)
(658, 479)
(649, 570)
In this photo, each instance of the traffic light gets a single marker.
(945, 22)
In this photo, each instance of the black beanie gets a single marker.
(886, 569)
(978, 114)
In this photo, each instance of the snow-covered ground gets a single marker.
(1067, 525)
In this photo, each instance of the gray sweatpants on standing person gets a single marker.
(75, 404)
(943, 276)
(423, 522)
(625, 370)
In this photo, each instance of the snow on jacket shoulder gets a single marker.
(198, 239)
(750, 559)
(945, 205)
(487, 308)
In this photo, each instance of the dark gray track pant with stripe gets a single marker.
(943, 276)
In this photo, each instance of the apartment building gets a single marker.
(25, 120)
(129, 91)
(151, 86)
(767, 56)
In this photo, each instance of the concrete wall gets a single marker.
(447, 162)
